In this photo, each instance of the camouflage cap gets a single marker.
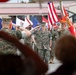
(6, 20)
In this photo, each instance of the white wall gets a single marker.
(72, 9)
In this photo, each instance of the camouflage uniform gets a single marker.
(55, 37)
(65, 32)
(28, 41)
(7, 47)
(43, 44)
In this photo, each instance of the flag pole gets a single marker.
(60, 1)
(61, 7)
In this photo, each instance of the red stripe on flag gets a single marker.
(49, 19)
(49, 22)
(28, 21)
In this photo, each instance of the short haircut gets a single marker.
(6, 20)
(65, 49)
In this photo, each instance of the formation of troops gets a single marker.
(40, 39)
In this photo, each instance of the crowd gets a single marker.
(40, 47)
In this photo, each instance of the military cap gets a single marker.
(6, 20)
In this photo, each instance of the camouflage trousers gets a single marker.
(53, 51)
(44, 54)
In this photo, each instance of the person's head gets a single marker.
(65, 49)
(6, 22)
(11, 65)
(29, 27)
(14, 65)
(43, 26)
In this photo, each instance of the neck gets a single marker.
(5, 27)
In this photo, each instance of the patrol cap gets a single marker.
(6, 20)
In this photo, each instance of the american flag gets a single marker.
(52, 15)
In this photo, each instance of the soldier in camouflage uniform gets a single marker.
(55, 36)
(7, 47)
(64, 30)
(43, 41)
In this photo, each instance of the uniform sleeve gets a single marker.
(34, 31)
(18, 34)
(23, 34)
(50, 35)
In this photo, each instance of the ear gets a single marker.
(10, 25)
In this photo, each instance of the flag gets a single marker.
(21, 23)
(63, 13)
(71, 27)
(34, 21)
(72, 30)
(14, 22)
(0, 23)
(28, 22)
(65, 19)
(55, 26)
(52, 15)
(44, 19)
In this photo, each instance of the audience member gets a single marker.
(65, 51)
(6, 47)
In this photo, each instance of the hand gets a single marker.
(37, 26)
(50, 49)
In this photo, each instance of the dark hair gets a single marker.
(15, 65)
(65, 49)
(11, 65)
